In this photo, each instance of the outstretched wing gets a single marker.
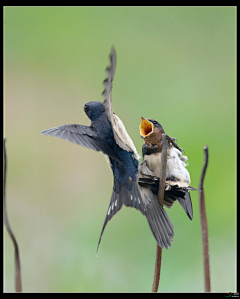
(107, 93)
(120, 134)
(83, 136)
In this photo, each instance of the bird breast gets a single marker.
(175, 166)
(154, 163)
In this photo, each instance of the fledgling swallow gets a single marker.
(108, 135)
(177, 176)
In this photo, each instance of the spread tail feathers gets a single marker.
(127, 194)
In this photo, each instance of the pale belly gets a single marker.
(154, 163)
(175, 168)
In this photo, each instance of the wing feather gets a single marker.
(158, 220)
(83, 136)
(120, 134)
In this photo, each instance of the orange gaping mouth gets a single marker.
(146, 127)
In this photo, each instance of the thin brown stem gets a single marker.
(204, 227)
(18, 285)
(158, 259)
(157, 269)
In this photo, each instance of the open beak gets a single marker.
(146, 127)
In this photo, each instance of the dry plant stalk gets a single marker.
(18, 285)
(204, 227)
(158, 260)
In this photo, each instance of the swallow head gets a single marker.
(151, 131)
(94, 109)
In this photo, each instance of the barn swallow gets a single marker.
(177, 176)
(108, 135)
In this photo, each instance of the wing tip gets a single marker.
(45, 132)
(98, 245)
(113, 52)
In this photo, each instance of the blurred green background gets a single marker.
(174, 64)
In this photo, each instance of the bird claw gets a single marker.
(172, 141)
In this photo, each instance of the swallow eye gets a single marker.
(86, 107)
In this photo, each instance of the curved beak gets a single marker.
(146, 127)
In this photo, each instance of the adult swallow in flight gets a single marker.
(177, 176)
(108, 135)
